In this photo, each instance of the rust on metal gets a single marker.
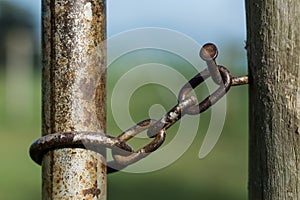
(125, 159)
(211, 99)
(239, 80)
(65, 143)
(85, 140)
(74, 74)
(123, 153)
(209, 53)
(188, 105)
(172, 116)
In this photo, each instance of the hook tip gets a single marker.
(209, 52)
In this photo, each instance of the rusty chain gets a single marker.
(123, 154)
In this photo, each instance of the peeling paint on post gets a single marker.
(74, 75)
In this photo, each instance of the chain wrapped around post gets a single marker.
(123, 154)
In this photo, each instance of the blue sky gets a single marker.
(196, 18)
(203, 20)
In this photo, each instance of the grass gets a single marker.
(220, 175)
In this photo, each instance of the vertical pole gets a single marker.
(273, 44)
(74, 73)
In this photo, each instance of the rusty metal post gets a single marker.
(74, 75)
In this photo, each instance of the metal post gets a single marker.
(74, 75)
(273, 43)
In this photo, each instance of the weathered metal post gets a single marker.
(74, 75)
(273, 44)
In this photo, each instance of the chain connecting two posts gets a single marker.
(123, 154)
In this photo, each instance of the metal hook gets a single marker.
(209, 53)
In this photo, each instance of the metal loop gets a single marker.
(126, 158)
(171, 117)
(187, 105)
(210, 100)
(85, 140)
(123, 154)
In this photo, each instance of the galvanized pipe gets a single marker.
(74, 76)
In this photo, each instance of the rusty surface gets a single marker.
(65, 159)
(211, 99)
(74, 66)
(85, 140)
(209, 53)
(123, 153)
(124, 159)
(240, 80)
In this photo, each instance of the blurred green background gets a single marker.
(220, 175)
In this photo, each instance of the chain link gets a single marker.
(123, 154)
